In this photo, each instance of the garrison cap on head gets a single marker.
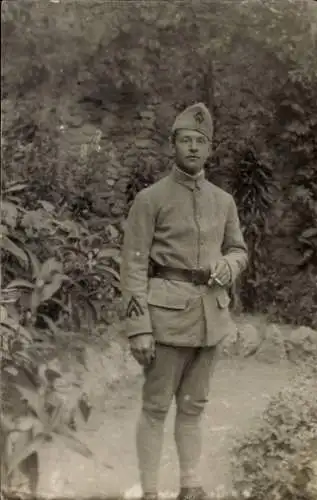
(195, 117)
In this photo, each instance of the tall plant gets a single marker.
(293, 138)
(53, 269)
(33, 411)
(252, 186)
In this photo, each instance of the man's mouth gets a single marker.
(192, 157)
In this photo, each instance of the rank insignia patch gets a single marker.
(199, 117)
(134, 308)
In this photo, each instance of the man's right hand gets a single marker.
(143, 348)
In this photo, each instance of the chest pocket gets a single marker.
(160, 298)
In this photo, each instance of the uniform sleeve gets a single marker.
(234, 247)
(138, 236)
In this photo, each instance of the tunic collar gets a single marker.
(190, 181)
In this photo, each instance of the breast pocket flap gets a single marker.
(159, 298)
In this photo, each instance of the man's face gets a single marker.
(191, 150)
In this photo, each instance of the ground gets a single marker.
(240, 391)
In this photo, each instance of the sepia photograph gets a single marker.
(158, 235)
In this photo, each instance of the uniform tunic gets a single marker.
(185, 222)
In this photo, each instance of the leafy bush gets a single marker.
(253, 187)
(120, 61)
(55, 275)
(288, 288)
(274, 459)
(57, 268)
(34, 409)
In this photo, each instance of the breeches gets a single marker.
(183, 372)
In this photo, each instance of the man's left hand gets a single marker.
(221, 274)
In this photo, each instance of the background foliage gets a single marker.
(87, 115)
(58, 280)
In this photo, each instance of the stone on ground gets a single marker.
(249, 339)
(229, 345)
(272, 349)
(301, 344)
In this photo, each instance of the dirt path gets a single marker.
(240, 391)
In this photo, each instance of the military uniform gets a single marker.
(181, 222)
(185, 223)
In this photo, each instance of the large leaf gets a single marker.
(34, 261)
(50, 323)
(38, 220)
(116, 285)
(61, 304)
(9, 213)
(35, 401)
(9, 246)
(84, 410)
(16, 327)
(19, 283)
(12, 370)
(309, 233)
(49, 207)
(17, 201)
(117, 259)
(50, 289)
(24, 447)
(79, 418)
(58, 418)
(9, 296)
(25, 358)
(108, 252)
(15, 187)
(25, 423)
(35, 300)
(109, 270)
(73, 443)
(49, 267)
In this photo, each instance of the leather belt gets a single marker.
(195, 276)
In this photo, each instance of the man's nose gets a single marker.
(193, 146)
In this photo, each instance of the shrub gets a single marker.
(34, 409)
(273, 460)
(100, 58)
(253, 186)
(57, 268)
(55, 273)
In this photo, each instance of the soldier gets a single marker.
(183, 249)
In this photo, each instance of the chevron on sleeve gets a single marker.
(134, 308)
